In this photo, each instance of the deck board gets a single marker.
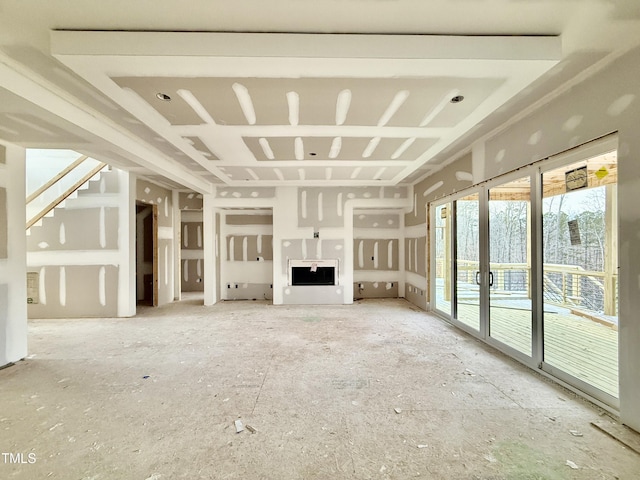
(583, 348)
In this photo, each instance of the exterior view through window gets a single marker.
(529, 263)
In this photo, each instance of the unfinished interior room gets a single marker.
(320, 239)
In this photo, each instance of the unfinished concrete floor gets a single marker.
(319, 384)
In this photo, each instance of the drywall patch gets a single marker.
(63, 287)
(190, 201)
(102, 286)
(535, 138)
(572, 123)
(62, 234)
(619, 105)
(433, 188)
(246, 192)
(464, 176)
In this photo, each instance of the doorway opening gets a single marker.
(146, 254)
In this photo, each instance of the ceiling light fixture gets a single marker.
(457, 99)
(163, 96)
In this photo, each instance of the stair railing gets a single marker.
(67, 193)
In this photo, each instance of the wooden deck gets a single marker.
(580, 347)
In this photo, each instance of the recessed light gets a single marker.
(457, 99)
(163, 96)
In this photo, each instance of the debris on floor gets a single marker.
(575, 433)
(239, 427)
(251, 429)
(397, 410)
(572, 465)
(423, 446)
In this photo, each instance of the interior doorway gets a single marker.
(146, 254)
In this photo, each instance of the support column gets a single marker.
(209, 241)
(13, 256)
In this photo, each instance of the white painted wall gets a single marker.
(13, 307)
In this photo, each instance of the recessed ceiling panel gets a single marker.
(403, 102)
(380, 104)
(337, 148)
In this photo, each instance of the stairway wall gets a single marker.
(81, 254)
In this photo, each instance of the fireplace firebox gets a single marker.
(313, 272)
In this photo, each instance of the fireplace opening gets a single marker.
(313, 275)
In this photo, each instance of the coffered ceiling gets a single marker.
(338, 93)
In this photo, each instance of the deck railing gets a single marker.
(569, 286)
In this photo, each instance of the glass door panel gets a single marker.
(580, 271)
(467, 261)
(510, 264)
(442, 254)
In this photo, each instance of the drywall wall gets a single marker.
(13, 294)
(81, 253)
(376, 245)
(190, 275)
(190, 201)
(152, 194)
(308, 223)
(192, 251)
(607, 102)
(450, 179)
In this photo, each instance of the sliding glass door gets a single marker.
(580, 271)
(528, 263)
(442, 293)
(509, 285)
(467, 260)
